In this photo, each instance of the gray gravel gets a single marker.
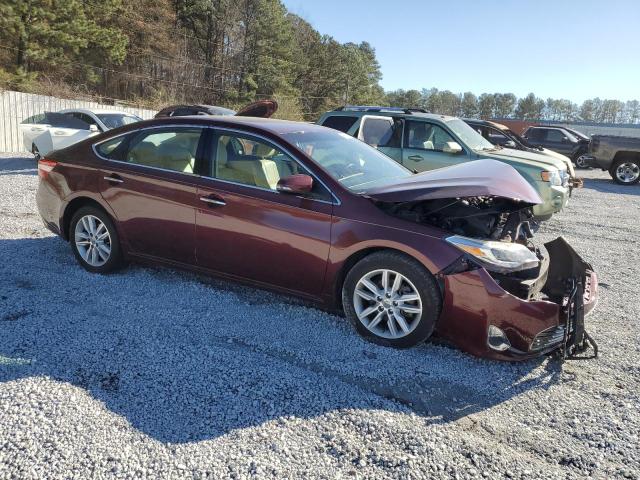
(162, 374)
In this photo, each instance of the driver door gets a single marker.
(246, 228)
(423, 147)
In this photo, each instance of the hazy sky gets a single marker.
(562, 49)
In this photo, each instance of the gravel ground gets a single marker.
(162, 374)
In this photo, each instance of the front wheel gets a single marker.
(391, 299)
(582, 160)
(626, 171)
(94, 241)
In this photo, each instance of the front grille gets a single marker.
(547, 338)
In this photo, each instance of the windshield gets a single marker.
(470, 137)
(353, 163)
(577, 133)
(114, 120)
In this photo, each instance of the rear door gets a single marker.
(423, 147)
(383, 133)
(247, 229)
(149, 180)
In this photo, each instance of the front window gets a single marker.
(353, 163)
(114, 120)
(469, 136)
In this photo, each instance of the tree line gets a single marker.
(229, 53)
(157, 52)
(507, 105)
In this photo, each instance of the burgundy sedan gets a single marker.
(312, 212)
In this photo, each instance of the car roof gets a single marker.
(94, 111)
(487, 123)
(271, 125)
(390, 113)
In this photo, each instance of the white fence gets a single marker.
(17, 106)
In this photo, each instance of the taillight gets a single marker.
(45, 165)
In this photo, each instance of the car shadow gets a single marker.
(18, 165)
(607, 185)
(185, 359)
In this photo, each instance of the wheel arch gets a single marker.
(625, 155)
(73, 206)
(354, 258)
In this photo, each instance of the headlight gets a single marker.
(551, 176)
(501, 257)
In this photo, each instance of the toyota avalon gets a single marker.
(313, 212)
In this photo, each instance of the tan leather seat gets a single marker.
(263, 172)
(142, 154)
(174, 157)
(224, 171)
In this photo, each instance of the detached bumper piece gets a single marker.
(577, 281)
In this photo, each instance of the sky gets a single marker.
(574, 49)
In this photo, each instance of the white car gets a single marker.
(50, 131)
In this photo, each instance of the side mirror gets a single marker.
(299, 184)
(93, 128)
(452, 147)
(509, 144)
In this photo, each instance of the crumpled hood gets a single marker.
(480, 178)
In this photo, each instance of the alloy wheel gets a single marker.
(92, 240)
(387, 304)
(627, 172)
(582, 161)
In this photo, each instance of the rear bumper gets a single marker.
(474, 301)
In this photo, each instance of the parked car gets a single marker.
(49, 131)
(421, 141)
(261, 108)
(620, 156)
(310, 211)
(566, 141)
(501, 135)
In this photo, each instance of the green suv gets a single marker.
(422, 141)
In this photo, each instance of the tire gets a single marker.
(581, 160)
(83, 222)
(415, 280)
(36, 152)
(626, 171)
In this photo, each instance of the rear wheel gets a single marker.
(391, 299)
(626, 171)
(94, 240)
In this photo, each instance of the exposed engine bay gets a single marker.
(493, 218)
(484, 218)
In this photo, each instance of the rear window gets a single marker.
(110, 150)
(339, 122)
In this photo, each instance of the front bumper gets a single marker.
(553, 321)
(555, 198)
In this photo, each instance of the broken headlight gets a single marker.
(501, 257)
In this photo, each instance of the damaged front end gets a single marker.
(504, 298)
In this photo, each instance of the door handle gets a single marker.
(213, 201)
(113, 179)
(415, 158)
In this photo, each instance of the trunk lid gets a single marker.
(261, 109)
